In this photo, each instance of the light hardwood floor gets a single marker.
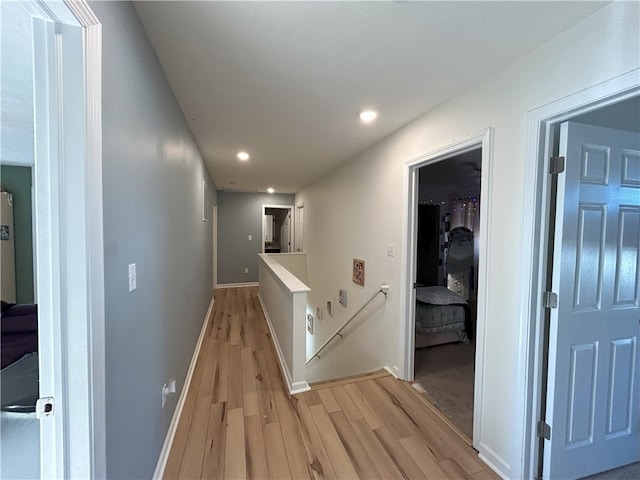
(239, 421)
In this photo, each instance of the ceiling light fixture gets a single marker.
(368, 116)
(243, 156)
(270, 190)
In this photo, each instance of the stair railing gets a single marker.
(384, 289)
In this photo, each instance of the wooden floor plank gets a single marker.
(256, 458)
(312, 398)
(452, 470)
(335, 449)
(213, 465)
(235, 465)
(425, 461)
(384, 464)
(293, 442)
(346, 403)
(349, 380)
(390, 412)
(328, 400)
(234, 333)
(316, 453)
(235, 397)
(221, 375)
(193, 459)
(362, 405)
(207, 381)
(266, 399)
(277, 458)
(396, 451)
(249, 387)
(358, 455)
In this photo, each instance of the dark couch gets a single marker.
(19, 328)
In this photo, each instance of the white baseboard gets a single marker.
(390, 370)
(168, 441)
(237, 285)
(297, 387)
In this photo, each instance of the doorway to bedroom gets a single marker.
(447, 259)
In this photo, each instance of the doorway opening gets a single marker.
(446, 284)
(277, 228)
(445, 278)
(589, 386)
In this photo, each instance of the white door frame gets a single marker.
(298, 228)
(282, 207)
(535, 234)
(68, 199)
(214, 226)
(482, 139)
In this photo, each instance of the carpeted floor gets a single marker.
(446, 373)
(630, 472)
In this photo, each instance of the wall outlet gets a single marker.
(310, 323)
(168, 388)
(319, 313)
(342, 297)
(246, 269)
(330, 307)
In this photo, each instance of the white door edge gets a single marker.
(482, 139)
(73, 444)
(535, 230)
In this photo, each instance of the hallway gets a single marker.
(239, 422)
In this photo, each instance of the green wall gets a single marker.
(17, 180)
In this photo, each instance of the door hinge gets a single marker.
(556, 165)
(544, 430)
(550, 300)
(44, 407)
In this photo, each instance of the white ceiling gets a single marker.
(285, 80)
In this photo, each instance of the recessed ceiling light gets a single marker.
(270, 190)
(368, 116)
(243, 156)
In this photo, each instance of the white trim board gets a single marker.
(237, 285)
(479, 140)
(297, 387)
(177, 413)
(535, 230)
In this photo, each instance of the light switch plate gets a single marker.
(342, 297)
(391, 250)
(310, 323)
(249, 237)
(132, 277)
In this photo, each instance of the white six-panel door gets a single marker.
(592, 396)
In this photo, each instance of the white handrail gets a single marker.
(384, 289)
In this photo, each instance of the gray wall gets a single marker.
(240, 215)
(17, 180)
(152, 180)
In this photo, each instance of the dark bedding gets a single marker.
(439, 310)
(19, 329)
